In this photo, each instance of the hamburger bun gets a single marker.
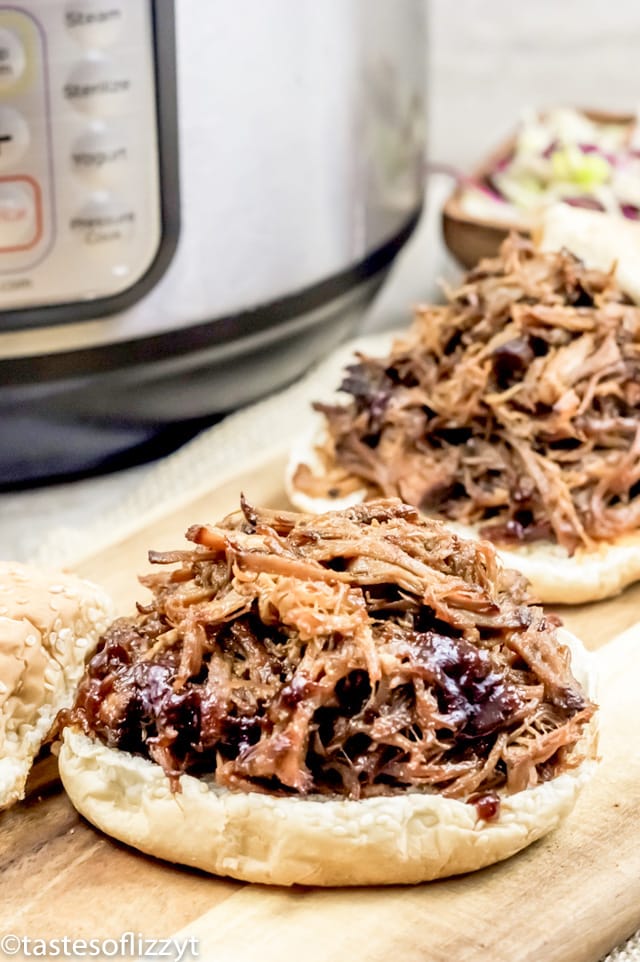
(602, 241)
(357, 699)
(555, 576)
(400, 839)
(49, 624)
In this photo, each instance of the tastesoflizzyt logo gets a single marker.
(129, 945)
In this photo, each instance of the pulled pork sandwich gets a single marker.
(357, 698)
(511, 412)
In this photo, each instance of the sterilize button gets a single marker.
(14, 136)
(19, 214)
(100, 157)
(98, 87)
(12, 59)
(94, 23)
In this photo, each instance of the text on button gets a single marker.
(74, 91)
(99, 158)
(98, 228)
(87, 18)
(95, 23)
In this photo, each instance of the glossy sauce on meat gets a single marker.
(360, 653)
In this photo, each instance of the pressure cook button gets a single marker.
(12, 59)
(98, 87)
(14, 137)
(103, 224)
(19, 214)
(94, 23)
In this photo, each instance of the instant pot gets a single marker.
(197, 198)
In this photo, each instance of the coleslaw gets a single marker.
(561, 156)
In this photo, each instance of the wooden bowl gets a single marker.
(471, 238)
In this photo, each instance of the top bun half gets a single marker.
(49, 625)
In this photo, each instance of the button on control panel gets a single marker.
(12, 59)
(20, 214)
(14, 137)
(79, 170)
(100, 87)
(27, 203)
(93, 23)
(100, 156)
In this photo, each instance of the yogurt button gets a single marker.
(18, 215)
(12, 59)
(100, 157)
(14, 137)
(98, 87)
(94, 23)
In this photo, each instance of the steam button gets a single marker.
(12, 59)
(19, 220)
(94, 23)
(14, 137)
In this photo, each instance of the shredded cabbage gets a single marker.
(562, 156)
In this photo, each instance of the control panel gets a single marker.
(79, 169)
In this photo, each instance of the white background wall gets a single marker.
(489, 58)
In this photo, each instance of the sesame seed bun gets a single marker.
(49, 624)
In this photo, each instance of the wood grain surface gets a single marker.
(570, 897)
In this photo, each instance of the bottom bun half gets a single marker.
(278, 840)
(555, 577)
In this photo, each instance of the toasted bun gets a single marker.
(406, 838)
(49, 624)
(602, 241)
(554, 576)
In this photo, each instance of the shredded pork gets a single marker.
(515, 407)
(358, 653)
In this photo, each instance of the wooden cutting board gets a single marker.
(570, 897)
